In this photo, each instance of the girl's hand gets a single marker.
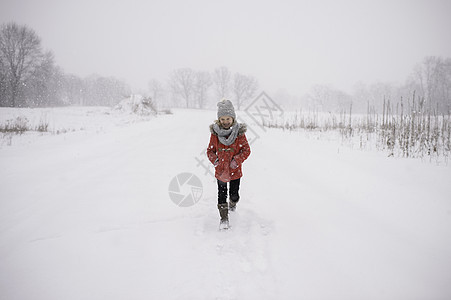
(233, 164)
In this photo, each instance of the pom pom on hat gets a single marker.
(225, 108)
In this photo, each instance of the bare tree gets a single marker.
(320, 97)
(73, 90)
(326, 98)
(181, 83)
(222, 79)
(446, 86)
(244, 88)
(43, 86)
(3, 83)
(202, 83)
(156, 90)
(20, 53)
(432, 80)
(105, 91)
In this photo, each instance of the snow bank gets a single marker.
(137, 104)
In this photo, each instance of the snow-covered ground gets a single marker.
(87, 215)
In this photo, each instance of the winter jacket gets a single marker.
(239, 151)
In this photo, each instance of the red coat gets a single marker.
(238, 151)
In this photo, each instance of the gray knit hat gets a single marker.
(225, 108)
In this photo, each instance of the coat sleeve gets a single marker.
(212, 149)
(245, 150)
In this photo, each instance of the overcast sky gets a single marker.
(285, 44)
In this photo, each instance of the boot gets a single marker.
(224, 213)
(232, 205)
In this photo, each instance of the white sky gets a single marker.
(285, 44)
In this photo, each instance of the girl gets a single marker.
(227, 150)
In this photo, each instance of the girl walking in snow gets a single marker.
(227, 150)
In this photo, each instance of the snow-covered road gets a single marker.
(88, 216)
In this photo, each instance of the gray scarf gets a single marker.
(222, 133)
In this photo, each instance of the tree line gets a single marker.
(29, 76)
(429, 81)
(189, 88)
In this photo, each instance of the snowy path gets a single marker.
(88, 216)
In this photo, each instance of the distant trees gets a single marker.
(195, 88)
(181, 83)
(202, 83)
(244, 88)
(431, 79)
(156, 90)
(430, 82)
(222, 78)
(29, 76)
(103, 91)
(374, 95)
(327, 98)
(239, 87)
(43, 87)
(94, 90)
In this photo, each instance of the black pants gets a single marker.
(234, 188)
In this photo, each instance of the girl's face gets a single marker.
(226, 121)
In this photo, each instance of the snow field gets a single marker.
(88, 216)
(357, 225)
